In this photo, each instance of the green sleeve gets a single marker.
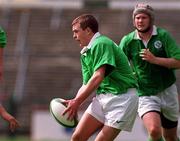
(172, 49)
(103, 55)
(123, 46)
(85, 72)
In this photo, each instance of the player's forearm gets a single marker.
(4, 113)
(167, 62)
(86, 90)
(1, 109)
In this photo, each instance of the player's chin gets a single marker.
(81, 45)
(140, 29)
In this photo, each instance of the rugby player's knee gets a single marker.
(155, 132)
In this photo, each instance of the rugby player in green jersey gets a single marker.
(154, 56)
(105, 68)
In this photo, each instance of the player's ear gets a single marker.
(88, 30)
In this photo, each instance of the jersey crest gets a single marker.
(158, 44)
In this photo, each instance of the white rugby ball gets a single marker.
(56, 109)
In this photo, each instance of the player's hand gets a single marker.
(147, 56)
(72, 108)
(13, 124)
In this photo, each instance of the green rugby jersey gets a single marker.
(151, 78)
(3, 39)
(119, 76)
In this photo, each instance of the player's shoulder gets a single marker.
(128, 38)
(103, 39)
(103, 42)
(162, 31)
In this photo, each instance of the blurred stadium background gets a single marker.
(41, 60)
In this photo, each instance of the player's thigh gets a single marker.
(170, 133)
(107, 134)
(87, 125)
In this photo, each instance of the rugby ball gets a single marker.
(56, 109)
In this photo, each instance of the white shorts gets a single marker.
(165, 102)
(117, 111)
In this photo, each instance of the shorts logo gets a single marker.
(158, 44)
(119, 121)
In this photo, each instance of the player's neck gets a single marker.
(147, 35)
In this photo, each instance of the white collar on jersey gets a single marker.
(154, 32)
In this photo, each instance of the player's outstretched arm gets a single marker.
(13, 123)
(84, 92)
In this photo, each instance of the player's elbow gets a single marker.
(177, 64)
